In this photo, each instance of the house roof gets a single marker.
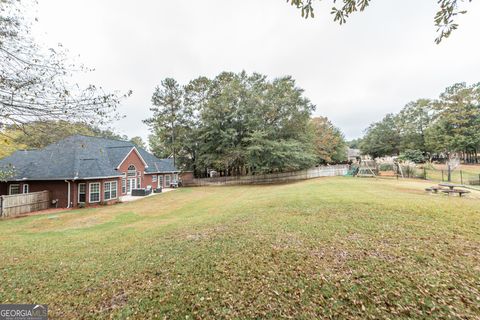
(353, 153)
(79, 157)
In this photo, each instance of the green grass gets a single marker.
(326, 248)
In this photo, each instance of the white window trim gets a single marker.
(154, 178)
(159, 181)
(129, 186)
(116, 189)
(28, 188)
(78, 195)
(167, 183)
(124, 185)
(10, 188)
(105, 184)
(90, 192)
(110, 183)
(126, 173)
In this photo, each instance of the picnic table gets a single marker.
(459, 191)
(435, 189)
(451, 189)
(450, 185)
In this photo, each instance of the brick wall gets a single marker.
(134, 159)
(75, 188)
(186, 176)
(58, 189)
(156, 184)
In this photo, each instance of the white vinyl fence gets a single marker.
(321, 171)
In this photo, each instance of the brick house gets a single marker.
(86, 170)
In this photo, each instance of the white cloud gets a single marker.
(356, 73)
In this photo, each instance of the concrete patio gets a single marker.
(129, 198)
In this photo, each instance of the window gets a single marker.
(114, 190)
(106, 191)
(124, 186)
(94, 192)
(154, 178)
(131, 184)
(14, 189)
(82, 192)
(160, 181)
(26, 188)
(175, 177)
(167, 180)
(131, 171)
(110, 190)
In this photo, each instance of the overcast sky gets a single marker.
(354, 74)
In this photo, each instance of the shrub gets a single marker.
(409, 169)
(415, 156)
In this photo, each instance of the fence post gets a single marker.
(442, 175)
(424, 173)
(461, 177)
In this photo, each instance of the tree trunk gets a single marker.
(173, 144)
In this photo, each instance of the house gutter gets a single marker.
(157, 172)
(68, 206)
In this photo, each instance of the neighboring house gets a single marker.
(353, 155)
(86, 170)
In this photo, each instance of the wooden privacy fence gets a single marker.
(321, 171)
(14, 205)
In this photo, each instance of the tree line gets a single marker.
(39, 134)
(238, 124)
(426, 129)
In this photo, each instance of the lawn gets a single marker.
(324, 248)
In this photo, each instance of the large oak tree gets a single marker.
(235, 123)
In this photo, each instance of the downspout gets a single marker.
(68, 206)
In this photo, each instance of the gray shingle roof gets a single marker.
(353, 153)
(79, 157)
